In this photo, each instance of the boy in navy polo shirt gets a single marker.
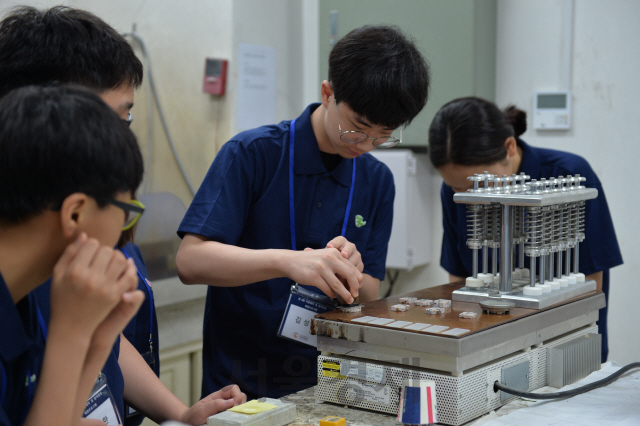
(68, 169)
(87, 51)
(301, 201)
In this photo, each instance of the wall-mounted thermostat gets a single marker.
(552, 110)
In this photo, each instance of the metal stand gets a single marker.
(544, 219)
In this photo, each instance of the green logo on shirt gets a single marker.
(359, 222)
(29, 379)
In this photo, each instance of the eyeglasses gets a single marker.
(133, 206)
(129, 119)
(354, 136)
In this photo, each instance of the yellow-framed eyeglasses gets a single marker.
(132, 211)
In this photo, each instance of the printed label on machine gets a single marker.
(362, 371)
(376, 394)
(303, 305)
(332, 369)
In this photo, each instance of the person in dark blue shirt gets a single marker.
(472, 135)
(302, 202)
(22, 347)
(48, 369)
(104, 61)
(70, 45)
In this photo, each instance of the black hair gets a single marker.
(472, 131)
(55, 141)
(64, 45)
(380, 74)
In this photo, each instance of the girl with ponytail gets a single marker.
(472, 135)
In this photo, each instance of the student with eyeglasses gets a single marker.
(87, 51)
(65, 228)
(302, 202)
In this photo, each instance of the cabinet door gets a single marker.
(175, 373)
(181, 373)
(196, 376)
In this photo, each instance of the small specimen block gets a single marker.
(399, 308)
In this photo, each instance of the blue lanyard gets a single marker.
(43, 326)
(151, 304)
(292, 213)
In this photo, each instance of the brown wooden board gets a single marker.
(382, 309)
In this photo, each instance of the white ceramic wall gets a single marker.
(606, 89)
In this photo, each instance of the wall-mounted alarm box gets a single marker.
(552, 110)
(215, 76)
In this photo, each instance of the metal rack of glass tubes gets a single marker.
(544, 219)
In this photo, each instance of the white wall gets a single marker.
(276, 24)
(179, 36)
(606, 89)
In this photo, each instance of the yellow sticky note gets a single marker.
(333, 421)
(253, 407)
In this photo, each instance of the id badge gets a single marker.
(302, 306)
(101, 405)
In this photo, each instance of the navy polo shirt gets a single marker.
(21, 354)
(244, 201)
(143, 325)
(111, 369)
(598, 252)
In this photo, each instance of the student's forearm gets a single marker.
(455, 278)
(56, 397)
(200, 261)
(597, 277)
(370, 288)
(143, 390)
(94, 362)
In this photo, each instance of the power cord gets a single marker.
(154, 92)
(392, 280)
(567, 394)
